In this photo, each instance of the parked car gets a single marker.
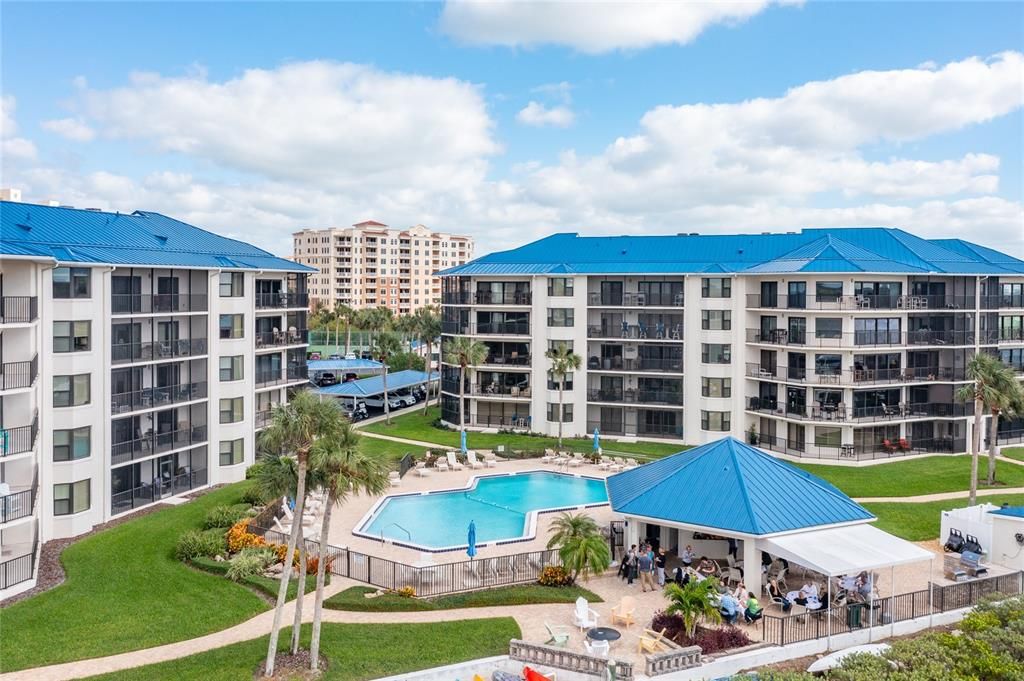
(405, 396)
(355, 412)
(377, 402)
(335, 356)
(326, 378)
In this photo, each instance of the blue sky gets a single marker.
(119, 147)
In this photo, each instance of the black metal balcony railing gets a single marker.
(641, 429)
(635, 396)
(263, 418)
(634, 299)
(281, 299)
(637, 331)
(18, 569)
(265, 377)
(512, 359)
(280, 338)
(487, 298)
(865, 338)
(860, 302)
(862, 452)
(997, 302)
(123, 353)
(486, 328)
(15, 375)
(18, 309)
(18, 505)
(672, 365)
(19, 440)
(841, 412)
(855, 376)
(157, 396)
(492, 390)
(513, 422)
(144, 495)
(155, 443)
(129, 303)
(1011, 336)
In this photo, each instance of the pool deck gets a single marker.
(349, 516)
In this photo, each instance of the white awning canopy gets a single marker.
(845, 550)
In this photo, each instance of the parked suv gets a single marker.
(405, 396)
(378, 402)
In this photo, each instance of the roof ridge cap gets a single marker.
(743, 486)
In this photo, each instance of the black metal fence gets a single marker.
(810, 625)
(405, 465)
(19, 440)
(18, 309)
(17, 570)
(19, 374)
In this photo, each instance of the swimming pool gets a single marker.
(504, 507)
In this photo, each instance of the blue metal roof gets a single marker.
(72, 235)
(841, 249)
(352, 364)
(729, 485)
(1011, 511)
(374, 385)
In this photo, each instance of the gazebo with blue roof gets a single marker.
(729, 489)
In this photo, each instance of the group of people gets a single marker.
(645, 563)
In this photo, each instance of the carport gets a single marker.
(374, 385)
(340, 367)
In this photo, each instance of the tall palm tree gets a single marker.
(428, 329)
(376, 320)
(324, 319)
(343, 313)
(405, 326)
(345, 470)
(563, 362)
(292, 430)
(996, 389)
(694, 602)
(467, 353)
(385, 346)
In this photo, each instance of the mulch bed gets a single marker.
(291, 668)
(50, 571)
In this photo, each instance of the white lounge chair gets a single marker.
(422, 470)
(490, 460)
(394, 478)
(472, 460)
(576, 460)
(549, 456)
(441, 465)
(631, 463)
(453, 463)
(584, 616)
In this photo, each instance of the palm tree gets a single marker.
(405, 326)
(563, 362)
(428, 329)
(570, 526)
(343, 312)
(324, 318)
(385, 346)
(465, 352)
(694, 602)
(995, 388)
(292, 430)
(376, 320)
(345, 470)
(585, 556)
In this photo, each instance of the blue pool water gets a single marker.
(499, 504)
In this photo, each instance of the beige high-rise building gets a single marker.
(370, 264)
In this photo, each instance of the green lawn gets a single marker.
(354, 651)
(388, 450)
(354, 598)
(1013, 453)
(918, 522)
(126, 591)
(929, 475)
(415, 426)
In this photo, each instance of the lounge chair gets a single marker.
(441, 465)
(575, 460)
(422, 470)
(394, 478)
(561, 459)
(652, 642)
(625, 611)
(584, 616)
(617, 465)
(631, 463)
(549, 456)
(604, 464)
(559, 635)
(488, 458)
(472, 460)
(453, 463)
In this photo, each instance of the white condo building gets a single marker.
(827, 343)
(139, 356)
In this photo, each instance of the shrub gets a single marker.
(254, 496)
(196, 543)
(710, 640)
(249, 563)
(406, 592)
(312, 562)
(225, 516)
(554, 575)
(239, 537)
(253, 470)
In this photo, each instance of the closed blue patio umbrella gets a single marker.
(597, 439)
(463, 439)
(471, 540)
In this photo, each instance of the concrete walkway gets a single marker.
(940, 497)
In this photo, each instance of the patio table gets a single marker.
(603, 634)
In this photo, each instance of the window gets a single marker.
(560, 316)
(716, 320)
(553, 381)
(715, 353)
(71, 391)
(828, 291)
(231, 410)
(71, 497)
(232, 284)
(828, 436)
(716, 287)
(231, 368)
(716, 387)
(71, 282)
(72, 444)
(828, 327)
(715, 420)
(231, 325)
(553, 412)
(885, 331)
(560, 286)
(71, 336)
(827, 365)
(232, 452)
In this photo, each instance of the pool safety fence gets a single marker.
(437, 579)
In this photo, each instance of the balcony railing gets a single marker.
(514, 422)
(855, 376)
(124, 353)
(18, 569)
(609, 427)
(18, 505)
(635, 396)
(487, 328)
(998, 302)
(861, 302)
(841, 412)
(634, 299)
(158, 396)
(512, 359)
(15, 375)
(863, 338)
(144, 495)
(1011, 336)
(128, 303)
(154, 443)
(488, 390)
(19, 440)
(281, 299)
(637, 331)
(879, 450)
(280, 338)
(487, 298)
(263, 418)
(18, 309)
(278, 376)
(672, 365)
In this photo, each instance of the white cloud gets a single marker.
(72, 128)
(539, 115)
(11, 146)
(590, 27)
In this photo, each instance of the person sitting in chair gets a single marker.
(729, 608)
(774, 592)
(706, 568)
(687, 556)
(753, 611)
